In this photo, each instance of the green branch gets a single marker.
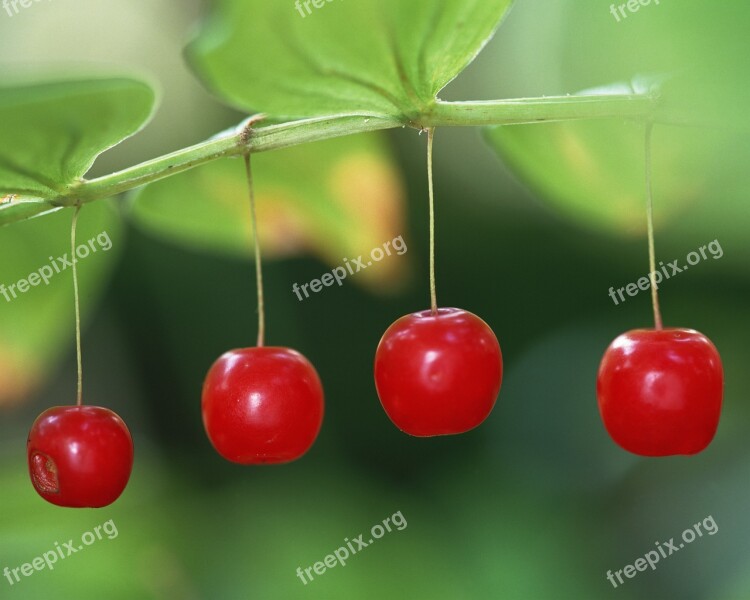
(540, 110)
(236, 143)
(247, 138)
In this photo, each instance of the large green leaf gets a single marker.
(593, 171)
(703, 46)
(337, 198)
(372, 57)
(52, 132)
(36, 317)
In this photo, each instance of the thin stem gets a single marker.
(258, 268)
(433, 287)
(76, 301)
(650, 219)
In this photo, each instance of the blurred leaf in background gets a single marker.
(132, 559)
(335, 199)
(593, 171)
(37, 325)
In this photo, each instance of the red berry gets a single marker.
(79, 456)
(660, 391)
(438, 374)
(262, 405)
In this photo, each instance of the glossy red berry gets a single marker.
(438, 374)
(262, 405)
(79, 456)
(660, 391)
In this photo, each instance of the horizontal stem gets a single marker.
(537, 110)
(238, 142)
(247, 138)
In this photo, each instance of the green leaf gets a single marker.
(703, 45)
(593, 172)
(31, 527)
(36, 317)
(52, 132)
(337, 198)
(369, 57)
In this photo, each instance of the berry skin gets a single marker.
(79, 456)
(262, 405)
(438, 374)
(660, 391)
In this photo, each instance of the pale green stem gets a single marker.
(77, 304)
(246, 139)
(433, 286)
(650, 224)
(256, 241)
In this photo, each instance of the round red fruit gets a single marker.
(79, 456)
(660, 391)
(262, 405)
(438, 374)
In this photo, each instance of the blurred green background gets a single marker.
(537, 503)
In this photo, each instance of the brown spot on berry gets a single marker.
(44, 474)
